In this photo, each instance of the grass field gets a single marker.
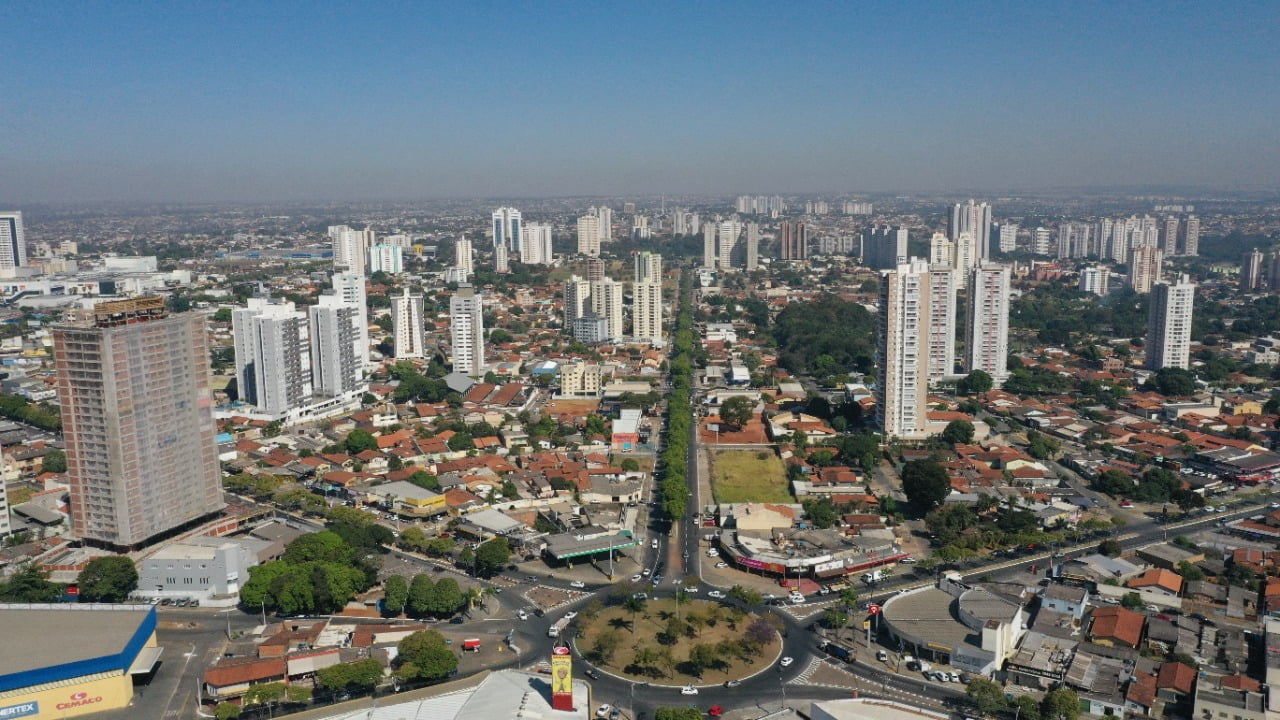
(745, 476)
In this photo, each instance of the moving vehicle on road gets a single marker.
(688, 690)
(786, 661)
(715, 594)
(732, 683)
(603, 712)
(577, 584)
(558, 627)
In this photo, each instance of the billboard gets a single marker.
(561, 678)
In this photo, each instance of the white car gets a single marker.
(713, 553)
(603, 711)
(1275, 505)
(688, 690)
(722, 565)
(637, 578)
(907, 560)
(570, 615)
(577, 584)
(522, 615)
(654, 544)
(786, 661)
(692, 590)
(715, 594)
(646, 572)
(953, 677)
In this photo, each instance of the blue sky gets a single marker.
(322, 101)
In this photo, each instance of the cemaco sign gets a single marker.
(78, 700)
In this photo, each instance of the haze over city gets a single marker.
(294, 101)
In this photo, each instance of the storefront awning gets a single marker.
(146, 661)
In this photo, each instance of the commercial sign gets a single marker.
(79, 699)
(827, 566)
(873, 609)
(20, 710)
(561, 678)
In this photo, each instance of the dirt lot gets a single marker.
(748, 476)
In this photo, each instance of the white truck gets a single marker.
(558, 627)
(872, 577)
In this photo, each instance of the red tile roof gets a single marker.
(1118, 624)
(244, 670)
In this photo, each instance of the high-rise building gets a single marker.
(709, 250)
(606, 301)
(273, 356)
(1251, 270)
(407, 325)
(967, 256)
(13, 241)
(589, 235)
(1191, 236)
(1169, 236)
(753, 246)
(1007, 237)
(351, 247)
(462, 255)
(595, 269)
(640, 228)
(648, 267)
(350, 287)
(1042, 241)
(135, 394)
(1144, 270)
(883, 247)
(728, 234)
(974, 218)
(466, 331)
(1096, 279)
(794, 241)
(535, 245)
(684, 222)
(506, 229)
(500, 263)
(605, 228)
(988, 321)
(942, 251)
(1073, 240)
(577, 300)
(902, 349)
(335, 327)
(386, 258)
(1169, 323)
(941, 334)
(646, 312)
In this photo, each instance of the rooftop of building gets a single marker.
(55, 635)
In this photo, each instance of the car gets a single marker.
(953, 677)
(824, 590)
(531, 578)
(603, 712)
(641, 596)
(688, 690)
(722, 565)
(1222, 508)
(715, 594)
(647, 572)
(155, 601)
(715, 711)
(570, 615)
(1275, 505)
(195, 603)
(713, 553)
(882, 656)
(457, 620)
(691, 590)
(657, 580)
(591, 674)
(616, 714)
(786, 661)
(522, 615)
(654, 544)
(678, 582)
(907, 560)
(577, 584)
(732, 683)
(637, 577)
(166, 601)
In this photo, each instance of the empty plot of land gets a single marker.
(739, 476)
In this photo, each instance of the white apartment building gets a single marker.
(1145, 268)
(466, 331)
(709, 253)
(462, 255)
(988, 321)
(1007, 237)
(903, 359)
(941, 334)
(589, 235)
(974, 218)
(1169, 323)
(648, 267)
(350, 287)
(753, 246)
(1096, 279)
(351, 248)
(727, 233)
(647, 311)
(407, 324)
(506, 229)
(335, 332)
(535, 244)
(386, 258)
(606, 301)
(273, 357)
(13, 241)
(579, 379)
(577, 300)
(501, 264)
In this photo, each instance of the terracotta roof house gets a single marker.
(1165, 582)
(1117, 626)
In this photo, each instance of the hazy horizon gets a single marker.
(287, 102)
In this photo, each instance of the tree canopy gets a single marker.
(925, 483)
(826, 336)
(737, 411)
(108, 579)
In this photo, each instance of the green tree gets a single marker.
(427, 654)
(677, 713)
(54, 461)
(395, 595)
(737, 411)
(226, 711)
(925, 483)
(1027, 707)
(1131, 600)
(745, 595)
(822, 512)
(958, 431)
(30, 585)
(492, 556)
(1110, 548)
(424, 479)
(986, 695)
(323, 546)
(265, 694)
(420, 594)
(107, 579)
(1060, 704)
(445, 598)
(634, 604)
(360, 440)
(630, 465)
(835, 619)
(976, 383)
(606, 644)
(358, 677)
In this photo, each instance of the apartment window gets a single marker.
(171, 581)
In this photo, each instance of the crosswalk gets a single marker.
(809, 670)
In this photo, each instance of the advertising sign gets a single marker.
(561, 679)
(20, 710)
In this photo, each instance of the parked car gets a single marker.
(637, 577)
(882, 656)
(715, 594)
(522, 615)
(722, 564)
(688, 690)
(577, 584)
(603, 712)
(732, 683)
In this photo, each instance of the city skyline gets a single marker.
(128, 104)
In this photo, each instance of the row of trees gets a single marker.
(674, 486)
(318, 573)
(108, 579)
(990, 699)
(16, 407)
(423, 597)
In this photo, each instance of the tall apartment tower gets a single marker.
(462, 255)
(577, 300)
(501, 264)
(1144, 269)
(728, 234)
(709, 251)
(902, 369)
(466, 331)
(589, 235)
(646, 311)
(351, 248)
(987, 326)
(1190, 236)
(604, 228)
(974, 218)
(273, 359)
(407, 325)
(1170, 236)
(1006, 237)
(350, 287)
(1169, 323)
(941, 335)
(883, 248)
(1096, 280)
(942, 251)
(648, 267)
(1251, 270)
(753, 246)
(137, 416)
(13, 241)
(506, 229)
(606, 301)
(535, 244)
(794, 241)
(335, 327)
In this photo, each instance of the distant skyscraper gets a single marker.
(967, 256)
(577, 300)
(974, 218)
(506, 229)
(1169, 323)
(350, 287)
(135, 395)
(462, 255)
(1144, 270)
(883, 248)
(1169, 236)
(466, 331)
(500, 263)
(535, 245)
(902, 349)
(648, 267)
(1251, 270)
(753, 246)
(988, 321)
(794, 241)
(589, 235)
(335, 328)
(351, 248)
(1008, 237)
(13, 241)
(1042, 241)
(604, 224)
(941, 335)
(646, 311)
(386, 258)
(728, 234)
(595, 269)
(407, 322)
(1073, 240)
(710, 254)
(273, 356)
(606, 301)
(1096, 280)
(941, 250)
(1191, 236)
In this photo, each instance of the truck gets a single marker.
(838, 651)
(558, 627)
(872, 577)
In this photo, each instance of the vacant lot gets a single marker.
(748, 476)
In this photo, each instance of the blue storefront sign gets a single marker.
(22, 710)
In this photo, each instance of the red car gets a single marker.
(715, 711)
